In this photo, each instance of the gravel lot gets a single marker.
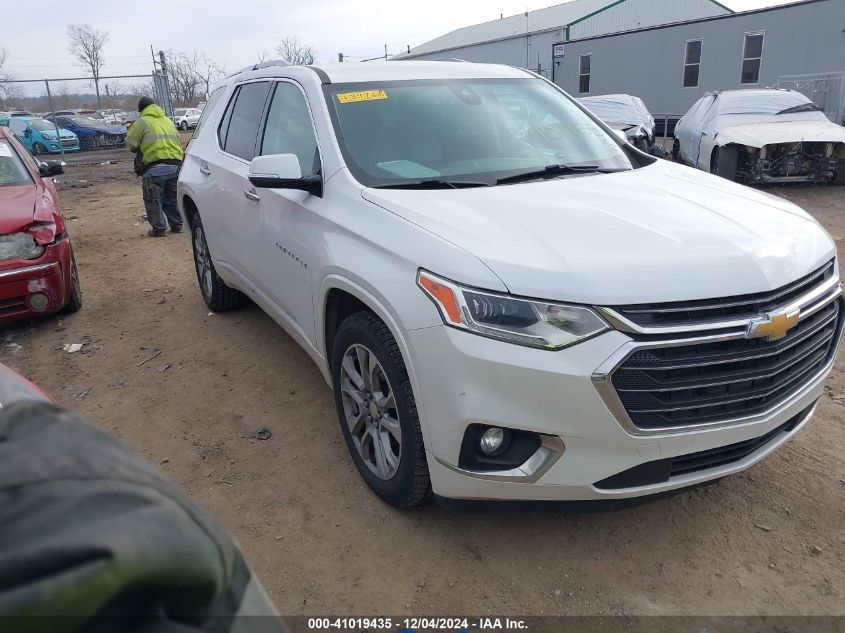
(771, 540)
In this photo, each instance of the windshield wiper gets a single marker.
(804, 107)
(550, 171)
(433, 183)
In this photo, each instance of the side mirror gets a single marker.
(281, 171)
(51, 168)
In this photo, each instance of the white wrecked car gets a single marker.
(761, 136)
(625, 113)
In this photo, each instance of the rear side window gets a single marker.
(244, 119)
(213, 98)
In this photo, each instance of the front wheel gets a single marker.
(38, 149)
(75, 301)
(676, 151)
(377, 411)
(183, 126)
(216, 294)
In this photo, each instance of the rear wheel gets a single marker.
(216, 294)
(377, 411)
(75, 301)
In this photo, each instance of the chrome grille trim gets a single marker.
(819, 294)
(806, 378)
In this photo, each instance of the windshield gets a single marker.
(179, 112)
(12, 169)
(41, 125)
(767, 103)
(463, 130)
(85, 121)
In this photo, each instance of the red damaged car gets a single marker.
(37, 270)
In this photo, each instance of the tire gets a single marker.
(217, 295)
(183, 126)
(401, 477)
(676, 151)
(714, 162)
(839, 176)
(38, 149)
(75, 301)
(723, 162)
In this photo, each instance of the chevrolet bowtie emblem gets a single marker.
(774, 326)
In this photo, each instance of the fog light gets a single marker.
(38, 301)
(492, 440)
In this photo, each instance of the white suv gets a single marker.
(508, 301)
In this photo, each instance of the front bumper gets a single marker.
(20, 281)
(466, 379)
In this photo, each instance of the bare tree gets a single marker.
(262, 56)
(8, 92)
(185, 83)
(86, 45)
(206, 69)
(296, 51)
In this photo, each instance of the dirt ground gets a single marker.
(769, 541)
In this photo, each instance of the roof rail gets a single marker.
(259, 65)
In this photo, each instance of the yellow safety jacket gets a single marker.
(155, 135)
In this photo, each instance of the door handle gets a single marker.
(205, 171)
(251, 195)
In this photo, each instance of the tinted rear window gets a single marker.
(245, 118)
(209, 107)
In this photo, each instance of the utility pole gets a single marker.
(385, 52)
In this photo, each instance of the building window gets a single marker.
(692, 63)
(752, 56)
(584, 74)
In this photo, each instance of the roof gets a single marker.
(391, 71)
(557, 16)
(541, 19)
(712, 18)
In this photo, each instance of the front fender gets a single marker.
(335, 281)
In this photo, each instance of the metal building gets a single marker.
(526, 40)
(799, 46)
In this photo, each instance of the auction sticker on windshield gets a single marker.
(364, 95)
(5, 150)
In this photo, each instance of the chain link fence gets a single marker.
(82, 115)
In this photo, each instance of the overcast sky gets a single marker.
(234, 32)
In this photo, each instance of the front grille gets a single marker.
(662, 470)
(736, 307)
(69, 142)
(711, 382)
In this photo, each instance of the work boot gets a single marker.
(176, 229)
(157, 233)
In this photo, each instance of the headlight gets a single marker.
(19, 246)
(537, 324)
(48, 137)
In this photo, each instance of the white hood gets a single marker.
(660, 233)
(760, 134)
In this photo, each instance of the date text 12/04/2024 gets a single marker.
(420, 625)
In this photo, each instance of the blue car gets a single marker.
(93, 134)
(40, 136)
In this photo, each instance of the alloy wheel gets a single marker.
(369, 407)
(202, 258)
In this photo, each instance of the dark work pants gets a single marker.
(160, 201)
